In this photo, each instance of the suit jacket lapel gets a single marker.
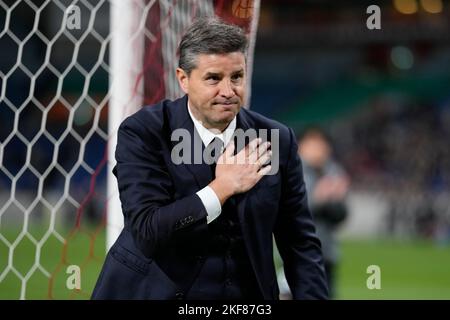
(200, 170)
(180, 119)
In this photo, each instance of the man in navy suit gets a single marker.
(202, 229)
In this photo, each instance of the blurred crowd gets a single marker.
(400, 147)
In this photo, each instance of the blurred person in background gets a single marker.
(327, 185)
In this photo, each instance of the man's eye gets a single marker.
(212, 78)
(236, 77)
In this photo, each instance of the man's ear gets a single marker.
(183, 80)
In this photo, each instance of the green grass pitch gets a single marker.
(409, 269)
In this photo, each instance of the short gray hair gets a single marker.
(209, 35)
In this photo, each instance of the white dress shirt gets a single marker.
(207, 194)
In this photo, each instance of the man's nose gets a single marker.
(226, 89)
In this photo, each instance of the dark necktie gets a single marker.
(214, 149)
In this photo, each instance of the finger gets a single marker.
(244, 154)
(262, 149)
(252, 145)
(264, 170)
(265, 158)
(227, 153)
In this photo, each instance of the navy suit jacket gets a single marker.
(158, 254)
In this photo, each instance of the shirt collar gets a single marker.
(207, 136)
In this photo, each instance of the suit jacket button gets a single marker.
(179, 295)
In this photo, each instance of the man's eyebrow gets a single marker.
(212, 74)
(219, 74)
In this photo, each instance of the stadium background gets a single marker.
(382, 95)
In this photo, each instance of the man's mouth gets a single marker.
(225, 103)
(226, 106)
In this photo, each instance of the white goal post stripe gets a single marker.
(123, 99)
